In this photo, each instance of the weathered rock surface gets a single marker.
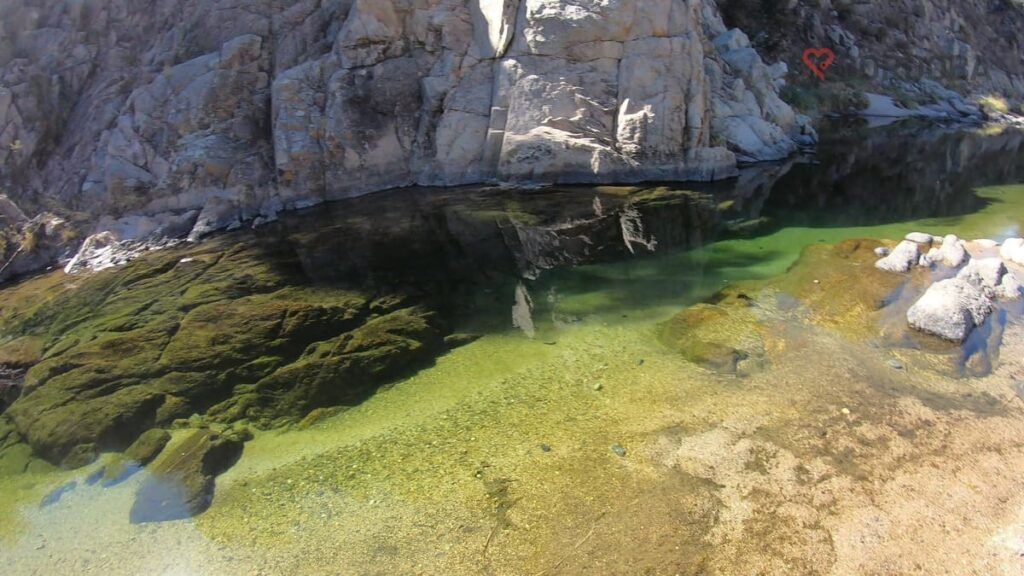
(243, 109)
(984, 273)
(902, 258)
(1012, 250)
(950, 309)
(180, 484)
(906, 47)
(952, 253)
(919, 237)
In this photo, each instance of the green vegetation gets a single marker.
(994, 103)
(825, 98)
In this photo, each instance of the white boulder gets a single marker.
(950, 309)
(919, 237)
(1009, 288)
(1012, 250)
(952, 252)
(984, 273)
(901, 259)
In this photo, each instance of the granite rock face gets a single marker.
(149, 121)
(914, 48)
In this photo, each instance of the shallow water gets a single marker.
(578, 442)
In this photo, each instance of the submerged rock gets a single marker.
(140, 453)
(170, 336)
(180, 484)
(950, 309)
(724, 339)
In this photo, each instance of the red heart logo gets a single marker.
(818, 60)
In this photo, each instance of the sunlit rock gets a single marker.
(950, 309)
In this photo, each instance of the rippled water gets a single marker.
(570, 439)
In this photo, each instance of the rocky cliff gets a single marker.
(171, 116)
(971, 46)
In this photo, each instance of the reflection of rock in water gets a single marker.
(633, 230)
(522, 311)
(863, 177)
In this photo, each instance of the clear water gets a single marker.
(577, 442)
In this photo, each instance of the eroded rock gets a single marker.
(950, 309)
(901, 259)
(721, 338)
(952, 253)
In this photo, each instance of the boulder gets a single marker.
(1009, 287)
(950, 309)
(952, 252)
(180, 483)
(1012, 250)
(919, 237)
(984, 273)
(901, 259)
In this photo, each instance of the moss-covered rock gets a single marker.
(140, 453)
(231, 325)
(341, 370)
(22, 352)
(723, 338)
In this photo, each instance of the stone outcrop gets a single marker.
(950, 309)
(242, 109)
(908, 48)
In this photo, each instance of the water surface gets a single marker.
(570, 439)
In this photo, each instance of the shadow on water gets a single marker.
(467, 249)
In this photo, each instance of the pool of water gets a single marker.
(567, 437)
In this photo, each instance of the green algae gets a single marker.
(179, 332)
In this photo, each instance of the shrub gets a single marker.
(993, 103)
